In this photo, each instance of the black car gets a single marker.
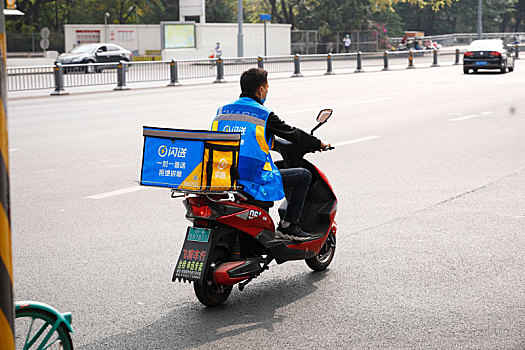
(488, 54)
(94, 53)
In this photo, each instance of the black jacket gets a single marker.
(277, 127)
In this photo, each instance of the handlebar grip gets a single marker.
(328, 148)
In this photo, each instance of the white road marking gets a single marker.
(116, 193)
(361, 139)
(45, 171)
(14, 149)
(469, 116)
(339, 105)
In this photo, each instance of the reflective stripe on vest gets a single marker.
(259, 176)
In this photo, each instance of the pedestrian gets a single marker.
(217, 51)
(347, 42)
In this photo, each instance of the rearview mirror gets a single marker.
(323, 116)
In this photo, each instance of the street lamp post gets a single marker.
(479, 19)
(136, 9)
(106, 16)
(239, 35)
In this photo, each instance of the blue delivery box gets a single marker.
(191, 160)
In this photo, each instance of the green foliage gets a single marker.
(55, 13)
(461, 17)
(327, 16)
(218, 11)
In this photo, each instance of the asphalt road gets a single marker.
(429, 170)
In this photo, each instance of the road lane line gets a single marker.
(116, 193)
(470, 116)
(361, 139)
(465, 117)
(339, 105)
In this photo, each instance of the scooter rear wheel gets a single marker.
(321, 261)
(209, 293)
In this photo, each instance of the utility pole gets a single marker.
(479, 19)
(106, 28)
(7, 313)
(239, 35)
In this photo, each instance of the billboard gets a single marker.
(178, 35)
(87, 36)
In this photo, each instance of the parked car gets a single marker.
(488, 54)
(94, 53)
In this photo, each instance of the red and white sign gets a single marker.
(125, 35)
(87, 36)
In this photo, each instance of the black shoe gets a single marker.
(292, 232)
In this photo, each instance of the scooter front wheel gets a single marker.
(209, 293)
(321, 261)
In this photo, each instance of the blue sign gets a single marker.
(171, 163)
(266, 17)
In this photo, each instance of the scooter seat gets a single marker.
(262, 204)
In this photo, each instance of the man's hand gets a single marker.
(325, 145)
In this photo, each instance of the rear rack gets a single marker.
(176, 192)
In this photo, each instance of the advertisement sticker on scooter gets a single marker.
(194, 255)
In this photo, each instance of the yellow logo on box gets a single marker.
(163, 150)
(223, 163)
(11, 4)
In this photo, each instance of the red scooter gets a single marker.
(233, 240)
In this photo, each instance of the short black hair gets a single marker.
(252, 79)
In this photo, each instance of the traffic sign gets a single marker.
(266, 17)
(44, 33)
(44, 44)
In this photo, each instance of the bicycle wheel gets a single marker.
(34, 330)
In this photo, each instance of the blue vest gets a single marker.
(259, 176)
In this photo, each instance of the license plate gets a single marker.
(199, 234)
(193, 255)
(481, 63)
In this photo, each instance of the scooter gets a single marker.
(232, 240)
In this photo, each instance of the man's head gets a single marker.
(255, 82)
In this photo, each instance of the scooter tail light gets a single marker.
(201, 211)
(198, 208)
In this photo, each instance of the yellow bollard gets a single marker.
(7, 339)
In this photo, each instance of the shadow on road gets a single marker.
(193, 325)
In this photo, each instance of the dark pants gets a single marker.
(298, 181)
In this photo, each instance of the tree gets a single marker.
(55, 13)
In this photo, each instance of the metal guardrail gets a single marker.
(60, 76)
(462, 38)
(30, 78)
